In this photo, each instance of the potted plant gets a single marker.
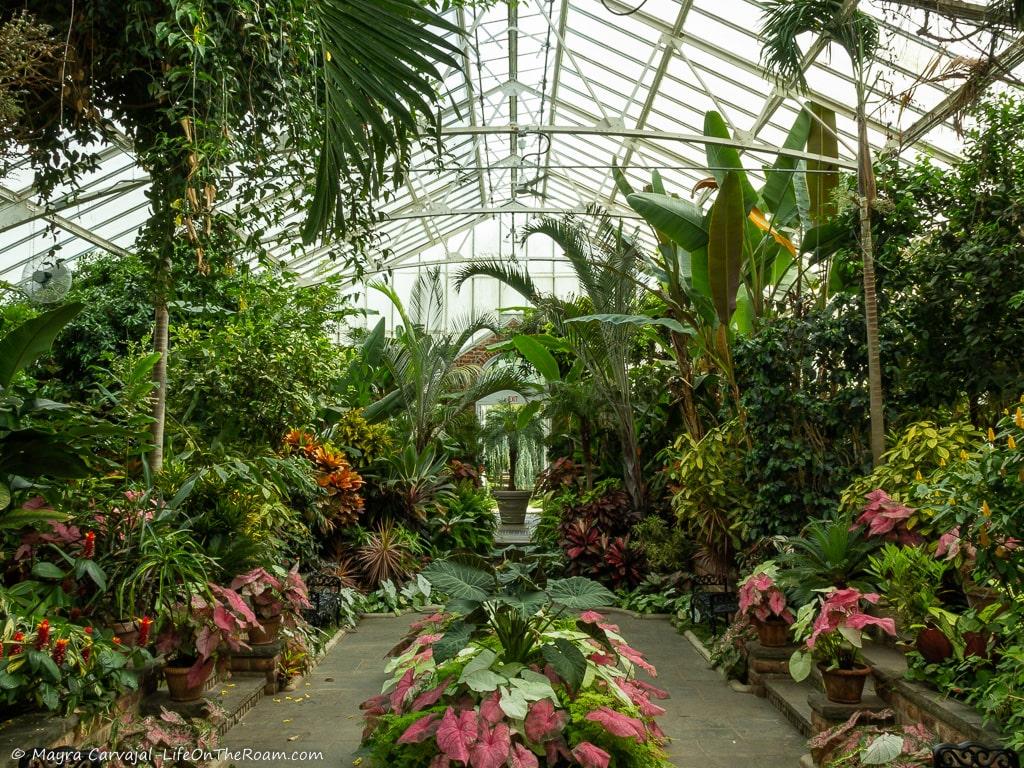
(832, 632)
(512, 438)
(214, 617)
(909, 578)
(764, 602)
(272, 597)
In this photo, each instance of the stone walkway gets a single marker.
(711, 725)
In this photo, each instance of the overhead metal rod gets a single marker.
(518, 209)
(749, 145)
(38, 211)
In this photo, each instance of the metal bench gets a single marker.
(969, 754)
(712, 600)
(325, 596)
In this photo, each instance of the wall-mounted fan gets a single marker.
(46, 279)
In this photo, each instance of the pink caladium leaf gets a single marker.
(431, 697)
(199, 672)
(521, 757)
(651, 690)
(555, 750)
(421, 730)
(637, 658)
(490, 709)
(543, 721)
(590, 756)
(223, 619)
(492, 747)
(457, 734)
(618, 724)
(375, 702)
(401, 692)
(206, 643)
(440, 761)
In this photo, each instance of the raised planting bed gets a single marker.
(520, 678)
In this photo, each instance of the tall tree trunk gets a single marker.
(586, 446)
(690, 417)
(160, 345)
(632, 474)
(866, 190)
(513, 463)
(159, 412)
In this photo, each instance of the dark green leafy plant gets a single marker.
(516, 602)
(827, 553)
(465, 521)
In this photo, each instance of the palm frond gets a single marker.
(834, 20)
(380, 66)
(517, 280)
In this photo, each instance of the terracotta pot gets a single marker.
(512, 506)
(933, 645)
(773, 633)
(845, 686)
(176, 674)
(126, 631)
(267, 633)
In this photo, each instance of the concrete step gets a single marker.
(790, 698)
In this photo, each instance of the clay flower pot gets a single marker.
(845, 686)
(176, 675)
(126, 631)
(267, 633)
(933, 645)
(772, 633)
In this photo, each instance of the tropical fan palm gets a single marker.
(380, 64)
(605, 260)
(433, 386)
(510, 434)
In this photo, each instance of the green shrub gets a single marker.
(465, 521)
(666, 548)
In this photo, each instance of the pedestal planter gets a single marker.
(176, 674)
(267, 633)
(772, 633)
(845, 686)
(512, 506)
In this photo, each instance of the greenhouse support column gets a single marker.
(866, 190)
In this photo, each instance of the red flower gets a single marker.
(144, 627)
(89, 547)
(42, 634)
(116, 640)
(87, 653)
(16, 648)
(60, 650)
(88, 631)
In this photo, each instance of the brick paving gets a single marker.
(711, 725)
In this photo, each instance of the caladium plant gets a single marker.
(271, 594)
(478, 707)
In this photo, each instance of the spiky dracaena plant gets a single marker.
(840, 22)
(434, 386)
(605, 262)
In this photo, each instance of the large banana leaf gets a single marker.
(380, 68)
(779, 193)
(538, 356)
(822, 177)
(725, 246)
(32, 339)
(678, 219)
(723, 160)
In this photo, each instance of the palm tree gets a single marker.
(511, 433)
(605, 261)
(857, 33)
(433, 386)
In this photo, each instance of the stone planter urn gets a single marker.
(512, 506)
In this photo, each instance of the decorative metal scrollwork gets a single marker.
(325, 596)
(969, 754)
(712, 600)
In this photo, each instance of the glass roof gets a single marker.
(551, 91)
